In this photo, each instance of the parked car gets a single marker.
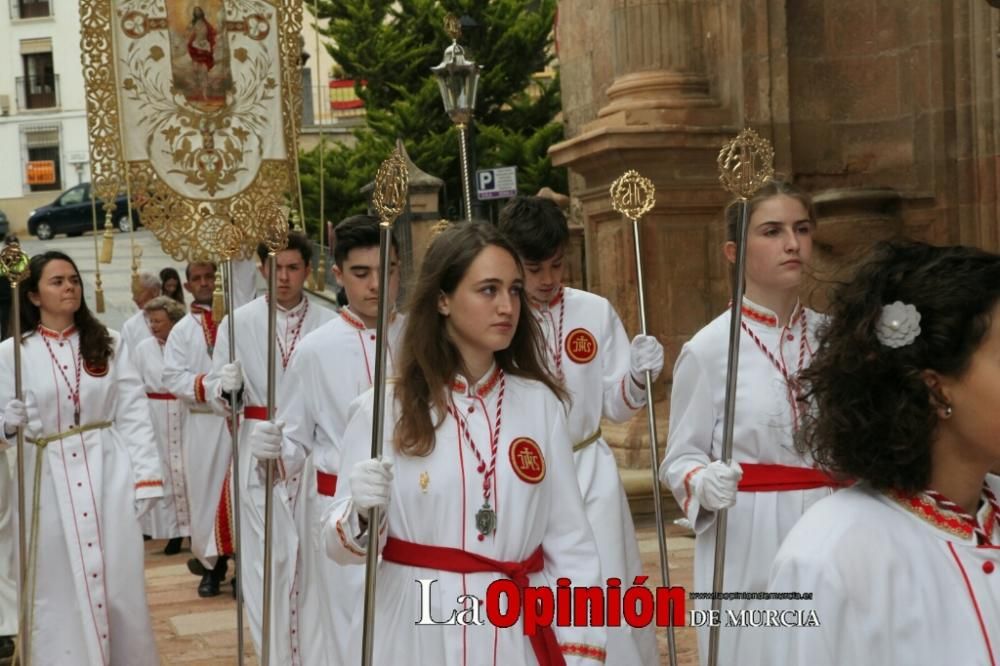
(71, 214)
(4, 225)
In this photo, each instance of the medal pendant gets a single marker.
(76, 417)
(486, 520)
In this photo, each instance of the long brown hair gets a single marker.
(95, 342)
(429, 360)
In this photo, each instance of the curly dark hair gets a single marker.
(874, 416)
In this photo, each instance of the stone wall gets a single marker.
(887, 110)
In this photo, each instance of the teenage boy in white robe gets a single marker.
(331, 368)
(587, 348)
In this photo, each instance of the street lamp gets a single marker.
(457, 79)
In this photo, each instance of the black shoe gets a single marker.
(235, 587)
(209, 586)
(196, 567)
(173, 546)
(146, 537)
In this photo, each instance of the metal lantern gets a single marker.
(457, 79)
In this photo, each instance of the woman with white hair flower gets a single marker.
(902, 566)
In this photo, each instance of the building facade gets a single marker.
(43, 125)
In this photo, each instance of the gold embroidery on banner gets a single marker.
(212, 143)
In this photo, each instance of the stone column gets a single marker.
(659, 56)
(666, 116)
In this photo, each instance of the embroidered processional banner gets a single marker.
(196, 102)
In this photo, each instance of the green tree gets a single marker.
(391, 46)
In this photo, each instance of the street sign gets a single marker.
(497, 183)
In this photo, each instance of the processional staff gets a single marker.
(276, 240)
(745, 165)
(389, 200)
(633, 196)
(14, 266)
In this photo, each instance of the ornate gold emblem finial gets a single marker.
(230, 241)
(453, 27)
(13, 263)
(633, 195)
(275, 221)
(391, 184)
(746, 163)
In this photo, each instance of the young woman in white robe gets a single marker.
(769, 485)
(171, 517)
(86, 425)
(476, 461)
(588, 349)
(903, 567)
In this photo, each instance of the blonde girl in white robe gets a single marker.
(769, 485)
(477, 461)
(903, 567)
(86, 424)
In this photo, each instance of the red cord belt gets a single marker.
(759, 478)
(455, 560)
(326, 484)
(161, 396)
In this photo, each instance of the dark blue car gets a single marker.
(70, 214)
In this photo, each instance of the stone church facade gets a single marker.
(888, 111)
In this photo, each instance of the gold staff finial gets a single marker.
(391, 183)
(453, 27)
(633, 195)
(746, 163)
(13, 263)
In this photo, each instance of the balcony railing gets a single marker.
(37, 92)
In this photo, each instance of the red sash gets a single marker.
(326, 484)
(161, 396)
(255, 413)
(544, 642)
(759, 478)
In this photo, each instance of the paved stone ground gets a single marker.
(191, 631)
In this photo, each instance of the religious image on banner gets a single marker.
(199, 53)
(203, 94)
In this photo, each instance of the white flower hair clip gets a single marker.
(899, 325)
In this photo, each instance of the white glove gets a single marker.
(15, 415)
(645, 353)
(715, 485)
(265, 439)
(231, 377)
(144, 506)
(370, 482)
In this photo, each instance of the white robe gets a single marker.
(245, 274)
(251, 350)
(8, 545)
(171, 516)
(434, 500)
(331, 368)
(600, 387)
(90, 599)
(187, 363)
(890, 587)
(135, 330)
(762, 433)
